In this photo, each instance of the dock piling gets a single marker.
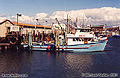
(30, 41)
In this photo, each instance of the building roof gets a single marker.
(113, 29)
(5, 21)
(23, 24)
(30, 25)
(98, 26)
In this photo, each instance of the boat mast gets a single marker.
(76, 22)
(83, 22)
(58, 33)
(67, 24)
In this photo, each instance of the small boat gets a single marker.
(38, 46)
(116, 35)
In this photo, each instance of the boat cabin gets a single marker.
(83, 29)
(82, 36)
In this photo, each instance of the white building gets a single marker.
(31, 28)
(6, 24)
(5, 27)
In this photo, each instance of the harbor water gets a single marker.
(39, 64)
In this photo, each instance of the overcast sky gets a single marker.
(94, 11)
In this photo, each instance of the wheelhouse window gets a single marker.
(78, 39)
(85, 30)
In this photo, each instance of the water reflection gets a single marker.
(45, 64)
(14, 62)
(70, 64)
(38, 64)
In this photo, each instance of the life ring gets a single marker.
(91, 33)
(42, 43)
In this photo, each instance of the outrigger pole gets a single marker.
(57, 34)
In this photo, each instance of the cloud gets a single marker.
(2, 15)
(42, 15)
(104, 15)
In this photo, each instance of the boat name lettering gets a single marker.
(95, 45)
(81, 35)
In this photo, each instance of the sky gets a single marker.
(102, 10)
(31, 7)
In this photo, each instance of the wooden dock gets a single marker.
(4, 46)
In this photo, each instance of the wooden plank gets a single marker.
(5, 44)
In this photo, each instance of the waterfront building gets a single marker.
(30, 28)
(5, 27)
(114, 30)
(98, 29)
(24, 28)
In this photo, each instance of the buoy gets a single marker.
(62, 49)
(55, 31)
(48, 47)
(107, 36)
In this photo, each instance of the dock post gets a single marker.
(7, 48)
(55, 40)
(2, 48)
(43, 38)
(30, 41)
(58, 39)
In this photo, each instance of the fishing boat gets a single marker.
(82, 41)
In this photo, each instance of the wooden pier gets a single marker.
(4, 46)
